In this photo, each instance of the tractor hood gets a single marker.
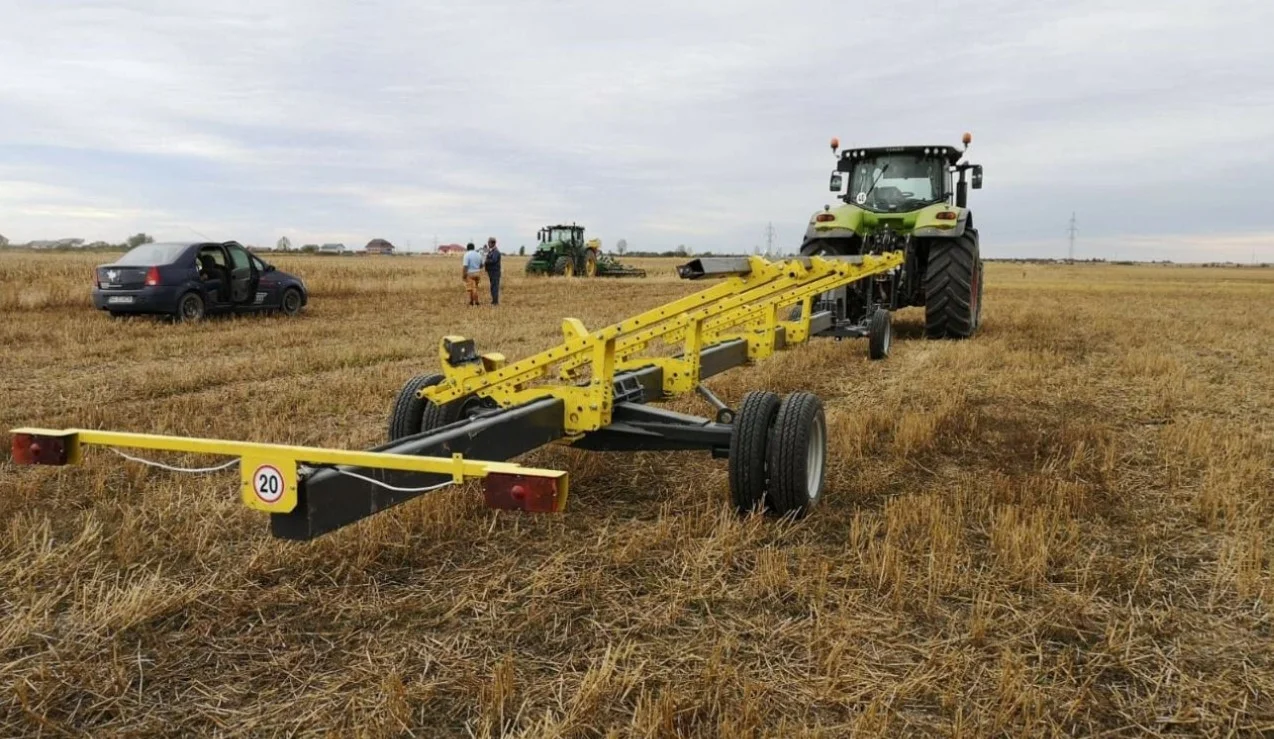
(938, 219)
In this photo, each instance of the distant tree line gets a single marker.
(79, 244)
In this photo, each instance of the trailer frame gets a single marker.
(599, 399)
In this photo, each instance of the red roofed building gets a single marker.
(451, 249)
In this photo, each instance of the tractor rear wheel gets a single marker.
(407, 416)
(564, 266)
(953, 288)
(749, 445)
(590, 263)
(797, 455)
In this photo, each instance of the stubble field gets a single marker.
(1062, 527)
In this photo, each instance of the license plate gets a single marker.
(117, 299)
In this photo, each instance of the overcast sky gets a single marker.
(664, 123)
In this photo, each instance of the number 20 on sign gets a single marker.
(269, 485)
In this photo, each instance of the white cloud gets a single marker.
(661, 122)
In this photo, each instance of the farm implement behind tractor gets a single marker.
(595, 390)
(563, 251)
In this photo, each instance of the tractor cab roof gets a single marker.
(950, 153)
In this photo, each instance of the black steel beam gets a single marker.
(636, 427)
(328, 500)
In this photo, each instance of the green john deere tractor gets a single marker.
(563, 251)
(912, 199)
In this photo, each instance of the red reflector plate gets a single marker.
(524, 493)
(825, 217)
(31, 449)
(946, 215)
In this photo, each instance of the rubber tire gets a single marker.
(561, 265)
(590, 263)
(799, 417)
(749, 445)
(283, 304)
(953, 288)
(880, 334)
(196, 300)
(408, 414)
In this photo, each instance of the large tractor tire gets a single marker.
(590, 263)
(953, 288)
(564, 266)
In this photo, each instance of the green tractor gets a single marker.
(563, 251)
(912, 199)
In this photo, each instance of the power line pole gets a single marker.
(769, 239)
(1071, 254)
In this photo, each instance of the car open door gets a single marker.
(243, 279)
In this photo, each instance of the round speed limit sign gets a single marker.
(267, 483)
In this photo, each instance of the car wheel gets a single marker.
(291, 304)
(190, 308)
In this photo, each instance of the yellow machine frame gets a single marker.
(744, 306)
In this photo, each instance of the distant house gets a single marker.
(57, 244)
(379, 246)
(332, 249)
(451, 249)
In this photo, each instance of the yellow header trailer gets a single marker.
(592, 391)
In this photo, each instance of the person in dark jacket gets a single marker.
(492, 265)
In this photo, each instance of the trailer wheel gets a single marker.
(953, 287)
(749, 443)
(407, 417)
(880, 334)
(797, 454)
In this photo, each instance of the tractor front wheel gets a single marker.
(953, 288)
(564, 266)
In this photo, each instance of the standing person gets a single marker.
(472, 271)
(492, 264)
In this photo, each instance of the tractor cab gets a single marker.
(901, 179)
(567, 235)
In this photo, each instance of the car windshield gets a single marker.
(897, 182)
(151, 254)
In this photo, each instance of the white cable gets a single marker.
(387, 486)
(161, 465)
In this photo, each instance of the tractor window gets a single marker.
(897, 182)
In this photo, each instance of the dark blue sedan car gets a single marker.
(188, 280)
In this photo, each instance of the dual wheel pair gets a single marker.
(778, 453)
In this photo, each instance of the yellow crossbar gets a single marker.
(269, 471)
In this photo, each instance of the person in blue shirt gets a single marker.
(472, 271)
(492, 264)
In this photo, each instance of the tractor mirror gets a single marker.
(976, 179)
(836, 182)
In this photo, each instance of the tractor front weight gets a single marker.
(592, 391)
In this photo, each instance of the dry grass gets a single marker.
(1060, 528)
